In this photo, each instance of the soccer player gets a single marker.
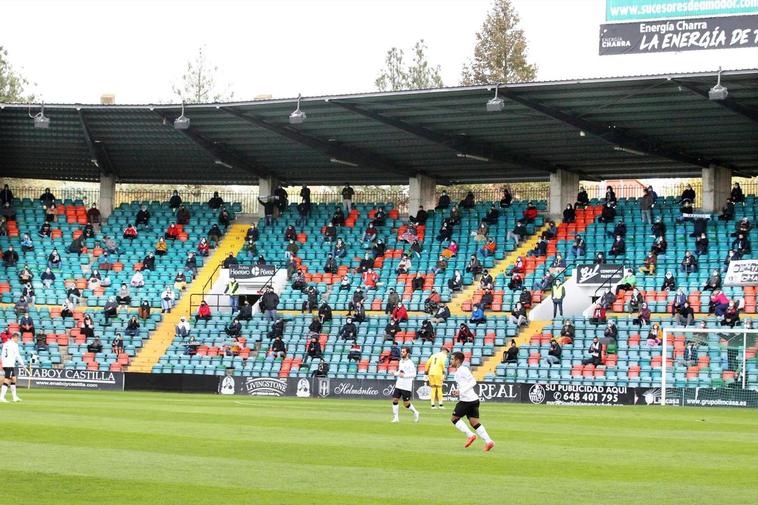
(406, 371)
(435, 371)
(9, 357)
(468, 406)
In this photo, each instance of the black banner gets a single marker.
(251, 271)
(589, 275)
(666, 35)
(71, 379)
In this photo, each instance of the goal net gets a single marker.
(708, 367)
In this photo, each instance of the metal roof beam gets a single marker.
(728, 103)
(222, 153)
(611, 135)
(458, 145)
(335, 151)
(103, 162)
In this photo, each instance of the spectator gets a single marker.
(594, 353)
(358, 297)
(130, 232)
(607, 299)
(507, 198)
(610, 334)
(330, 267)
(404, 266)
(553, 354)
(137, 280)
(47, 278)
(635, 300)
(224, 219)
(464, 335)
(426, 333)
(345, 284)
(432, 302)
(530, 213)
(110, 309)
(117, 346)
(516, 281)
(214, 236)
(688, 194)
(180, 281)
(689, 263)
(400, 313)
(649, 264)
(658, 229)
(371, 279)
(182, 215)
(647, 202)
(643, 316)
(610, 195)
(511, 354)
(451, 249)
(727, 211)
(144, 310)
(277, 329)
(669, 282)
(445, 233)
(600, 258)
(714, 281)
(567, 333)
(680, 298)
(421, 216)
(190, 264)
(314, 349)
(393, 299)
(701, 245)
(175, 201)
(245, 311)
(322, 370)
(6, 196)
(477, 315)
(482, 232)
(742, 245)
(347, 198)
(685, 315)
(230, 261)
(132, 327)
(488, 249)
(379, 248)
(659, 246)
(487, 299)
(441, 314)
(277, 349)
(124, 296)
(369, 236)
(95, 347)
(654, 335)
(359, 314)
(731, 255)
(518, 233)
(540, 249)
(525, 298)
(627, 283)
(21, 306)
(731, 315)
(608, 214)
(216, 201)
(167, 300)
(619, 229)
(579, 247)
(143, 217)
(443, 202)
(348, 331)
(340, 249)
(456, 282)
(737, 196)
(269, 303)
(110, 245)
(618, 248)
(518, 315)
(391, 329)
(51, 211)
(203, 312)
(410, 234)
(569, 214)
(558, 294)
(719, 303)
(474, 266)
(325, 312)
(468, 201)
(690, 357)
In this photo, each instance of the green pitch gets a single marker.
(143, 448)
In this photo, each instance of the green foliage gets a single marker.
(12, 84)
(198, 84)
(500, 54)
(396, 75)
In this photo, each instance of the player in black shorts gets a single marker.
(406, 372)
(468, 406)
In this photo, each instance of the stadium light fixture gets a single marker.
(182, 122)
(718, 92)
(472, 157)
(40, 120)
(343, 162)
(495, 104)
(628, 150)
(297, 116)
(223, 164)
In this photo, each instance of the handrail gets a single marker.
(563, 272)
(607, 281)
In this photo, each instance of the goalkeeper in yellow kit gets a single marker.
(435, 370)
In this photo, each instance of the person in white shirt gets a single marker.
(167, 299)
(468, 404)
(10, 356)
(137, 280)
(405, 373)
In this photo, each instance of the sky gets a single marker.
(77, 50)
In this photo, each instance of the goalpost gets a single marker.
(722, 359)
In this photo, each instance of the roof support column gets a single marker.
(421, 193)
(717, 186)
(563, 189)
(107, 195)
(266, 187)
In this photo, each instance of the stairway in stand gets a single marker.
(163, 335)
(458, 301)
(524, 337)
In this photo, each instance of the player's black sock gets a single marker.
(475, 426)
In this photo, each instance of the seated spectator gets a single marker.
(579, 248)
(518, 315)
(420, 218)
(456, 282)
(727, 211)
(137, 280)
(607, 299)
(636, 300)
(685, 316)
(530, 213)
(391, 329)
(482, 232)
(314, 350)
(516, 281)
(441, 314)
(161, 248)
(680, 298)
(124, 296)
(627, 283)
(440, 266)
(369, 236)
(714, 281)
(464, 335)
(348, 331)
(117, 346)
(67, 309)
(45, 231)
(214, 236)
(649, 264)
(567, 333)
(669, 282)
(701, 245)
(489, 248)
(330, 267)
(338, 218)
(322, 370)
(290, 233)
(525, 298)
(492, 217)
(487, 299)
(203, 312)
(21, 306)
(643, 316)
(143, 217)
(443, 202)
(298, 280)
(379, 248)
(659, 246)
(246, 311)
(432, 302)
(731, 315)
(742, 245)
(654, 336)
(148, 263)
(172, 232)
(569, 214)
(600, 258)
(608, 214)
(340, 249)
(558, 264)
(417, 284)
(619, 230)
(426, 333)
(731, 255)
(507, 198)
(47, 278)
(359, 312)
(737, 196)
(594, 353)
(182, 215)
(400, 313)
(689, 263)
(618, 248)
(474, 266)
(95, 347)
(610, 195)
(344, 284)
(451, 250)
(658, 228)
(277, 349)
(518, 233)
(553, 354)
(216, 201)
(551, 232)
(445, 233)
(132, 327)
(330, 232)
(610, 334)
(468, 202)
(510, 355)
(540, 249)
(598, 314)
(53, 259)
(690, 357)
(110, 309)
(144, 310)
(477, 315)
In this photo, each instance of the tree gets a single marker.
(419, 75)
(199, 82)
(500, 51)
(12, 84)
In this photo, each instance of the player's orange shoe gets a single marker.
(470, 440)
(489, 446)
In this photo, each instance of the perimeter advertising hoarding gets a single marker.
(731, 32)
(246, 272)
(71, 379)
(596, 275)
(742, 273)
(633, 10)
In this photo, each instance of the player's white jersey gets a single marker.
(466, 383)
(10, 355)
(408, 368)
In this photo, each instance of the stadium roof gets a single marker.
(643, 126)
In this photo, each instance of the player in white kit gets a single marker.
(406, 372)
(468, 406)
(9, 357)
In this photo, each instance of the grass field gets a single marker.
(103, 448)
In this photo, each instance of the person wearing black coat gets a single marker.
(348, 331)
(325, 312)
(443, 202)
(277, 329)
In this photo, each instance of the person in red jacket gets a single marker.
(370, 278)
(400, 313)
(203, 312)
(130, 232)
(203, 247)
(172, 232)
(5, 335)
(530, 214)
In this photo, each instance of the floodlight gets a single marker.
(297, 116)
(40, 120)
(718, 92)
(495, 104)
(182, 122)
